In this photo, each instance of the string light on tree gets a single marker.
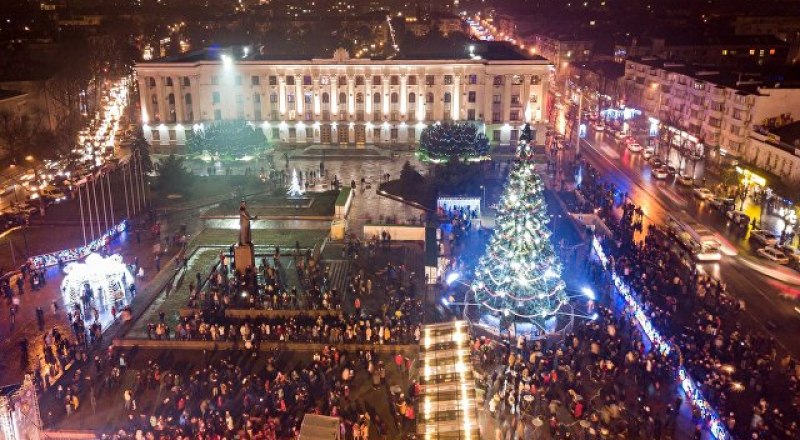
(519, 278)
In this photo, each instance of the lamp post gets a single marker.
(24, 234)
(483, 199)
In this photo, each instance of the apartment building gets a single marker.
(719, 108)
(561, 48)
(341, 100)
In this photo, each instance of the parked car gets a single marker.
(763, 237)
(703, 193)
(721, 203)
(634, 147)
(792, 253)
(648, 152)
(656, 162)
(599, 126)
(52, 193)
(773, 254)
(660, 173)
(672, 170)
(738, 217)
(685, 180)
(619, 135)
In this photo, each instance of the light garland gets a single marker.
(520, 275)
(74, 254)
(689, 386)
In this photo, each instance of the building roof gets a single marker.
(747, 79)
(608, 69)
(487, 50)
(789, 133)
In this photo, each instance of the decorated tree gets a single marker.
(518, 280)
(460, 139)
(234, 139)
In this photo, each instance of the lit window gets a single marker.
(772, 51)
(752, 51)
(724, 51)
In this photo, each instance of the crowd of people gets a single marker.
(599, 382)
(226, 398)
(755, 389)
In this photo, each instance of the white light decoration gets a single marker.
(295, 190)
(107, 278)
(518, 280)
(638, 313)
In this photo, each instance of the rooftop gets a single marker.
(487, 50)
(747, 80)
(789, 133)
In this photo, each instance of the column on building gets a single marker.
(351, 98)
(368, 99)
(455, 103)
(177, 90)
(282, 96)
(385, 80)
(404, 97)
(505, 114)
(317, 98)
(162, 101)
(299, 98)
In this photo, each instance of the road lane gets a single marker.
(765, 306)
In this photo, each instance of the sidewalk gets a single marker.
(26, 328)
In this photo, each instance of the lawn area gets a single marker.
(209, 187)
(263, 237)
(176, 295)
(321, 204)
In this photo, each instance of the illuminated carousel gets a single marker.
(97, 281)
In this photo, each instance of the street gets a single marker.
(770, 311)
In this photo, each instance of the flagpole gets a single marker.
(83, 224)
(110, 199)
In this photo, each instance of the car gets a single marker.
(763, 237)
(792, 253)
(685, 180)
(738, 217)
(703, 193)
(52, 193)
(634, 147)
(660, 173)
(648, 152)
(619, 135)
(773, 254)
(25, 209)
(656, 162)
(599, 126)
(672, 170)
(720, 203)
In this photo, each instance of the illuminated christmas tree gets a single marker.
(518, 280)
(295, 189)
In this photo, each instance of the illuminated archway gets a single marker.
(97, 281)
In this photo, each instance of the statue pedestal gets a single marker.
(244, 256)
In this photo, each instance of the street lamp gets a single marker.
(483, 200)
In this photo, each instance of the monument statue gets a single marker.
(244, 224)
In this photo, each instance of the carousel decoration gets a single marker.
(97, 281)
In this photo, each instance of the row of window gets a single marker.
(394, 98)
(394, 80)
(325, 134)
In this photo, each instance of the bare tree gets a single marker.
(16, 133)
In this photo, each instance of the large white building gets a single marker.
(341, 100)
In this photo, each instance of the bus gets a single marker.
(697, 239)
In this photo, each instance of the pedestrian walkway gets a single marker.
(28, 331)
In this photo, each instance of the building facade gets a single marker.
(338, 101)
(719, 110)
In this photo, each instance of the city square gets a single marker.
(428, 220)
